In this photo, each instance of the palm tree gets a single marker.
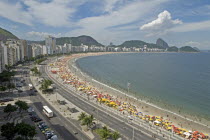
(45, 85)
(105, 133)
(88, 121)
(82, 116)
(115, 135)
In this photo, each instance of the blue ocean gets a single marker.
(175, 81)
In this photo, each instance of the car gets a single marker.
(35, 90)
(48, 136)
(40, 124)
(31, 110)
(55, 137)
(37, 120)
(45, 130)
(49, 132)
(20, 90)
(44, 127)
(32, 113)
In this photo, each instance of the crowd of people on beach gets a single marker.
(60, 68)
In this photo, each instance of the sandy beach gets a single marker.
(178, 120)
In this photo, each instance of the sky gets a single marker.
(178, 22)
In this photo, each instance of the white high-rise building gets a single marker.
(11, 56)
(23, 50)
(5, 49)
(44, 50)
(50, 42)
(1, 58)
(36, 50)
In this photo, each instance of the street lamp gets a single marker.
(128, 87)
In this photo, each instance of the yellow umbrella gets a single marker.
(150, 119)
(183, 129)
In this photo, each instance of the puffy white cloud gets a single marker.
(161, 25)
(42, 34)
(54, 13)
(15, 12)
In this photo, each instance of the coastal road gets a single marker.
(62, 127)
(112, 120)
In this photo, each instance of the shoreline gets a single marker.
(74, 65)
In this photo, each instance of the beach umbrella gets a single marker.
(195, 132)
(183, 129)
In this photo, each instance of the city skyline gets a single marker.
(179, 23)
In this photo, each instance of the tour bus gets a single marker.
(47, 111)
(30, 86)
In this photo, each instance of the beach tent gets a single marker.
(187, 134)
(157, 122)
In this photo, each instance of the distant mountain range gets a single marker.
(75, 41)
(88, 40)
(138, 44)
(4, 35)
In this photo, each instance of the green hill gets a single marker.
(187, 49)
(138, 44)
(4, 35)
(75, 41)
(173, 49)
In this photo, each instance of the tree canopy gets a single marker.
(8, 131)
(9, 109)
(22, 105)
(26, 131)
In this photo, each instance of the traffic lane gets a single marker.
(113, 123)
(59, 118)
(58, 128)
(65, 133)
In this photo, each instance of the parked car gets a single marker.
(55, 137)
(30, 110)
(20, 90)
(37, 120)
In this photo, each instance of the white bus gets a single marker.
(47, 111)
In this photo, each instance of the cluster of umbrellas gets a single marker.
(69, 78)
